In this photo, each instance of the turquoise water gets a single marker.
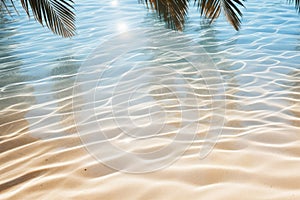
(257, 70)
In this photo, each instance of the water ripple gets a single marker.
(42, 156)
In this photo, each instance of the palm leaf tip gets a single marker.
(3, 4)
(212, 8)
(173, 12)
(297, 4)
(58, 15)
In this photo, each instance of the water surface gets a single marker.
(257, 152)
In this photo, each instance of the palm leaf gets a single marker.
(3, 3)
(173, 12)
(212, 9)
(297, 4)
(58, 15)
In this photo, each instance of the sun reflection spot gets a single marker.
(122, 27)
(114, 3)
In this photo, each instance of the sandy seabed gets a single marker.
(257, 156)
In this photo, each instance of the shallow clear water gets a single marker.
(235, 92)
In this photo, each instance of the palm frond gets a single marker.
(297, 4)
(58, 15)
(3, 3)
(173, 12)
(212, 9)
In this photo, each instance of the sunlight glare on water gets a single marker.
(58, 113)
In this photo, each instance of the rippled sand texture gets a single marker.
(256, 156)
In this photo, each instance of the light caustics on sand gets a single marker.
(147, 92)
(42, 156)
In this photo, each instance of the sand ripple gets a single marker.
(43, 90)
